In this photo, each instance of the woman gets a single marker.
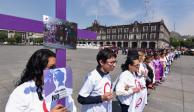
(96, 94)
(126, 85)
(149, 79)
(28, 96)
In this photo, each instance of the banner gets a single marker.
(139, 99)
(59, 33)
(56, 87)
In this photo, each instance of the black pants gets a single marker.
(124, 108)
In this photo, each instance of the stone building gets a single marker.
(152, 35)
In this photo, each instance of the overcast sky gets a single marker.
(178, 15)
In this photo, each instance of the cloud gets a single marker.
(186, 25)
(176, 13)
(159, 15)
(110, 8)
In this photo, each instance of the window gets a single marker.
(153, 28)
(145, 28)
(114, 30)
(102, 31)
(135, 29)
(119, 30)
(108, 37)
(161, 36)
(130, 36)
(108, 31)
(114, 37)
(119, 37)
(144, 36)
(98, 37)
(125, 36)
(153, 35)
(126, 30)
(103, 37)
(134, 37)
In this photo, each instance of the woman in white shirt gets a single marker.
(126, 85)
(28, 96)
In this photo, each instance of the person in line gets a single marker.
(126, 86)
(28, 96)
(143, 74)
(149, 79)
(96, 94)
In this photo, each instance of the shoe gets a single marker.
(155, 84)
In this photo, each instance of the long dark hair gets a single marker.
(128, 61)
(34, 69)
(105, 54)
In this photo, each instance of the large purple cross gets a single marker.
(27, 25)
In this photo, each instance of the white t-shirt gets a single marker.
(126, 78)
(24, 98)
(96, 85)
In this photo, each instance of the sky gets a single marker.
(178, 15)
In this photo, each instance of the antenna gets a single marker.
(174, 26)
(147, 10)
(96, 15)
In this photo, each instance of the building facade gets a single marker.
(152, 35)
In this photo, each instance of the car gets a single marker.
(5, 43)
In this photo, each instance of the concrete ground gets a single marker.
(174, 95)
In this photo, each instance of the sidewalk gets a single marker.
(177, 93)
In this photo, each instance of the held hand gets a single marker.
(136, 90)
(59, 108)
(127, 87)
(107, 96)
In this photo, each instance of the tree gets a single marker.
(175, 42)
(18, 37)
(11, 40)
(188, 43)
(38, 40)
(3, 36)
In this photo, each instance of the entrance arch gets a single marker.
(144, 45)
(134, 44)
(113, 44)
(119, 44)
(107, 43)
(152, 45)
(101, 43)
(125, 44)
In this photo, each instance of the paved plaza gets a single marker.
(174, 95)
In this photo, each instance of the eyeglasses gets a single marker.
(112, 62)
(136, 66)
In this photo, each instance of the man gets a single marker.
(96, 94)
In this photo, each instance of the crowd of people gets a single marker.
(142, 70)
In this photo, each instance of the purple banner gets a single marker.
(20, 24)
(85, 34)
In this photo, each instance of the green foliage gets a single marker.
(189, 43)
(174, 42)
(11, 40)
(18, 37)
(38, 40)
(3, 36)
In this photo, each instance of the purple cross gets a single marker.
(22, 24)
(27, 25)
